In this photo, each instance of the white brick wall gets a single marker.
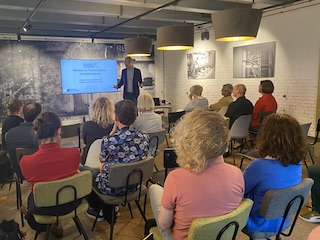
(297, 36)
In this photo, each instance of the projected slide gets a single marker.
(88, 76)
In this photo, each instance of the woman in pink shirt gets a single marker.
(266, 103)
(204, 185)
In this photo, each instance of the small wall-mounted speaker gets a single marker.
(205, 35)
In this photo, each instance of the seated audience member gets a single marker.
(225, 100)
(241, 106)
(22, 135)
(314, 215)
(148, 120)
(100, 125)
(196, 100)
(49, 163)
(204, 185)
(281, 145)
(123, 145)
(266, 103)
(15, 117)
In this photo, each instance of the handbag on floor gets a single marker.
(9, 230)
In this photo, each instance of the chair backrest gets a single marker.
(118, 173)
(209, 228)
(223, 111)
(93, 155)
(169, 160)
(20, 152)
(305, 128)
(263, 115)
(275, 201)
(173, 117)
(156, 138)
(156, 101)
(72, 130)
(240, 127)
(153, 145)
(45, 192)
(160, 134)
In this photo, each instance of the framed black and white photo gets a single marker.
(201, 64)
(254, 61)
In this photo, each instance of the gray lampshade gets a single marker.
(175, 37)
(137, 46)
(236, 24)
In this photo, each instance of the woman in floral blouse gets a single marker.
(123, 145)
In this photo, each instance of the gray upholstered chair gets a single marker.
(156, 138)
(62, 191)
(223, 227)
(239, 130)
(70, 131)
(124, 175)
(282, 203)
(253, 154)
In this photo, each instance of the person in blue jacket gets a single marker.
(131, 80)
(282, 146)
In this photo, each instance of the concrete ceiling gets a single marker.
(111, 19)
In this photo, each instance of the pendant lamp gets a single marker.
(138, 46)
(236, 24)
(175, 37)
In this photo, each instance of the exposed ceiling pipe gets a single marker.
(31, 15)
(136, 17)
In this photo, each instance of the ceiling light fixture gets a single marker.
(27, 27)
(236, 24)
(175, 37)
(138, 46)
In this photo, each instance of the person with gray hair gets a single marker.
(196, 100)
(148, 120)
(241, 106)
(225, 100)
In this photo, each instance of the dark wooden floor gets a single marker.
(125, 228)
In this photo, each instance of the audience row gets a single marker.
(204, 185)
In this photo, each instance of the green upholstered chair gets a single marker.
(224, 227)
(55, 193)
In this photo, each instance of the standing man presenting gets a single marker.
(131, 80)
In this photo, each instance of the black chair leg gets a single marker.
(12, 176)
(241, 163)
(140, 210)
(17, 194)
(130, 210)
(80, 227)
(232, 152)
(95, 221)
(112, 222)
(145, 204)
(47, 232)
(155, 166)
(311, 155)
(36, 236)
